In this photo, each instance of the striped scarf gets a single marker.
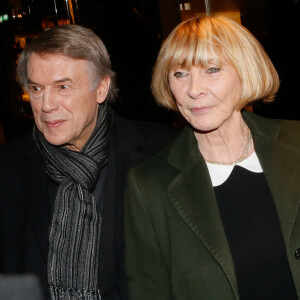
(75, 228)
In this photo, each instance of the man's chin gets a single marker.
(55, 141)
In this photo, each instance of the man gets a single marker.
(61, 192)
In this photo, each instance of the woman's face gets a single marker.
(206, 97)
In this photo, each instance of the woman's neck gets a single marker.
(228, 144)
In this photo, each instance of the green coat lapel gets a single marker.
(200, 213)
(280, 160)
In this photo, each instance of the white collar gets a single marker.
(220, 173)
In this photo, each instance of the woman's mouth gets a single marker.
(201, 110)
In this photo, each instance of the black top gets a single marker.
(253, 232)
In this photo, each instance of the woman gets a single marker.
(215, 216)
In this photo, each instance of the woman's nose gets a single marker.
(197, 87)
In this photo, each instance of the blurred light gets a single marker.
(185, 6)
(3, 18)
(25, 97)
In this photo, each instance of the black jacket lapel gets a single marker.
(38, 203)
(126, 140)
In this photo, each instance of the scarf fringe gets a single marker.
(58, 293)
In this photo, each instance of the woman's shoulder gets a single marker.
(289, 126)
(290, 133)
(285, 132)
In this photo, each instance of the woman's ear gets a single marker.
(102, 89)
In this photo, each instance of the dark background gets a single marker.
(133, 30)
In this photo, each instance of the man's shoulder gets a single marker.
(149, 137)
(157, 136)
(157, 162)
(155, 169)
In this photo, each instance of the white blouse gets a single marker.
(219, 173)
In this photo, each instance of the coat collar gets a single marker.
(201, 213)
(280, 161)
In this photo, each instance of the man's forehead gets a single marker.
(52, 56)
(54, 67)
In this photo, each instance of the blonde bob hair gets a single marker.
(195, 42)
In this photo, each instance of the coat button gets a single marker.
(297, 253)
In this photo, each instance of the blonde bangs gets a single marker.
(194, 45)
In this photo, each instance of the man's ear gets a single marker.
(102, 89)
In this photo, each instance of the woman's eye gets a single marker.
(212, 70)
(180, 74)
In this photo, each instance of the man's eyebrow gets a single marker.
(31, 82)
(65, 79)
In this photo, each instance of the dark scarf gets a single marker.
(75, 229)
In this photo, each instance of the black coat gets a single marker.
(25, 212)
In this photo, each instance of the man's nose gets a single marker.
(49, 101)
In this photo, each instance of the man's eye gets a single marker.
(64, 89)
(35, 88)
(212, 70)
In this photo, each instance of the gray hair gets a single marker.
(72, 41)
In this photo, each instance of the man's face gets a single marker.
(63, 103)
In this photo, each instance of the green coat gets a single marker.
(176, 246)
